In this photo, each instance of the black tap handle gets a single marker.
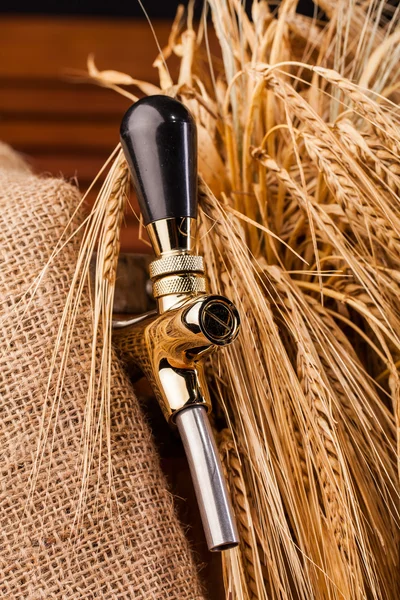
(158, 136)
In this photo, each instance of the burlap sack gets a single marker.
(135, 547)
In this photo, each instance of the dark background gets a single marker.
(156, 9)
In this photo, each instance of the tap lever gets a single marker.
(158, 135)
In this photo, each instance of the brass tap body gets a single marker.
(169, 345)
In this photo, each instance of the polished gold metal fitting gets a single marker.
(173, 236)
(169, 348)
(176, 263)
(185, 283)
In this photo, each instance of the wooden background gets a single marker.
(70, 129)
(63, 127)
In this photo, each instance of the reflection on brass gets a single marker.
(169, 347)
(173, 236)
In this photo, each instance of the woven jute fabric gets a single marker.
(129, 543)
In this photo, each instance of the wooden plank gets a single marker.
(98, 138)
(84, 167)
(50, 48)
(65, 128)
(25, 99)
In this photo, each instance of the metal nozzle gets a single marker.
(208, 480)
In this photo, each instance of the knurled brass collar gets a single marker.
(176, 263)
(185, 283)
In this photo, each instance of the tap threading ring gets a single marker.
(179, 284)
(176, 263)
